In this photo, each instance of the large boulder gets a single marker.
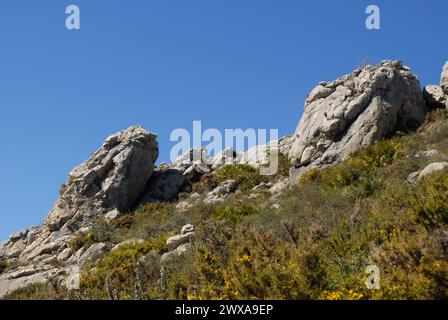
(113, 178)
(353, 112)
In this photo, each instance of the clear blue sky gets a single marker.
(163, 64)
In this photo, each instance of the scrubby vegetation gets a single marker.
(247, 176)
(329, 228)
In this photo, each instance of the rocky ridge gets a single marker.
(339, 118)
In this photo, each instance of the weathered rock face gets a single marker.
(110, 181)
(26, 275)
(164, 185)
(355, 111)
(113, 178)
(437, 96)
(221, 192)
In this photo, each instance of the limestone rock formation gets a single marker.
(355, 111)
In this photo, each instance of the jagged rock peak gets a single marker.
(112, 178)
(355, 111)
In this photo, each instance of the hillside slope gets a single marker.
(361, 182)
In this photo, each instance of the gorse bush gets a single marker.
(115, 275)
(359, 169)
(81, 241)
(429, 202)
(233, 213)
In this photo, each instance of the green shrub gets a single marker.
(247, 176)
(429, 203)
(361, 167)
(381, 154)
(312, 175)
(116, 271)
(103, 231)
(234, 213)
(80, 241)
(207, 183)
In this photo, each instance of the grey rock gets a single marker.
(177, 240)
(128, 242)
(114, 177)
(413, 177)
(226, 156)
(184, 206)
(435, 97)
(444, 78)
(24, 276)
(195, 171)
(65, 255)
(279, 186)
(188, 228)
(193, 156)
(19, 235)
(164, 185)
(353, 112)
(221, 192)
(111, 215)
(257, 155)
(195, 196)
(432, 168)
(179, 251)
(427, 154)
(92, 254)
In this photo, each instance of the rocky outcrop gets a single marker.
(339, 118)
(27, 275)
(164, 185)
(436, 96)
(110, 181)
(221, 192)
(353, 112)
(113, 178)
